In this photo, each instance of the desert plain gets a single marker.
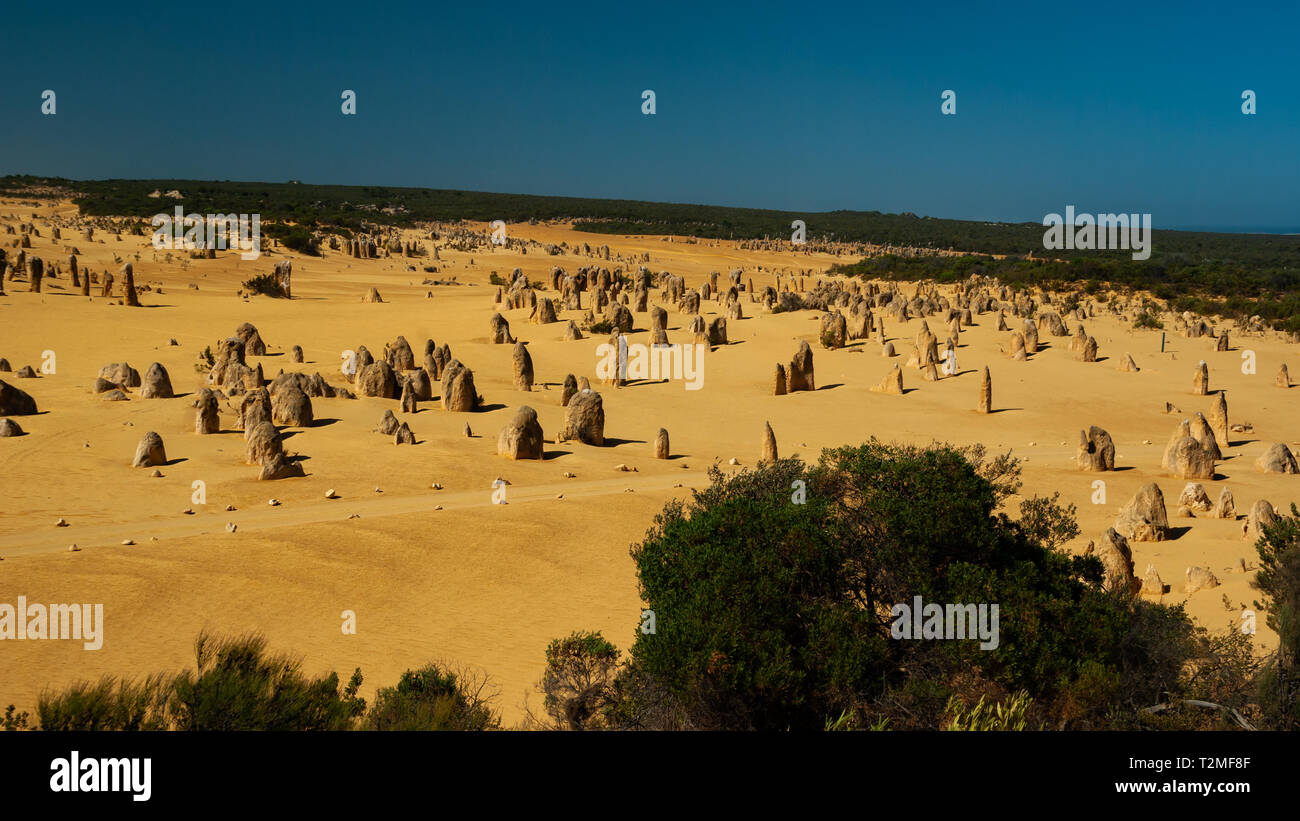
(442, 573)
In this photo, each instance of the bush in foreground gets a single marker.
(433, 698)
(1279, 581)
(236, 685)
(773, 607)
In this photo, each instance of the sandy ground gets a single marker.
(486, 586)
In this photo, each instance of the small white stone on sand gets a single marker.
(273, 502)
(231, 527)
(72, 548)
(329, 494)
(61, 523)
(127, 542)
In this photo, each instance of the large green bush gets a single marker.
(775, 614)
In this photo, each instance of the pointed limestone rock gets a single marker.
(892, 383)
(1195, 498)
(1151, 582)
(1226, 507)
(1261, 516)
(128, 286)
(522, 367)
(769, 443)
(1144, 518)
(1202, 433)
(1201, 380)
(1117, 560)
(1200, 578)
(403, 436)
(522, 438)
(206, 417)
(1277, 459)
(1219, 420)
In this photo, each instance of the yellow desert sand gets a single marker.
(446, 574)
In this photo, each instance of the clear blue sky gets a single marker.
(802, 106)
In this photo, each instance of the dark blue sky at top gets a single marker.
(800, 106)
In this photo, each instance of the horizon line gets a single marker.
(1275, 231)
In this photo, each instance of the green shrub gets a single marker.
(265, 284)
(433, 698)
(756, 622)
(295, 238)
(236, 685)
(108, 704)
(206, 360)
(14, 721)
(776, 614)
(602, 327)
(1148, 320)
(579, 680)
(1279, 582)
